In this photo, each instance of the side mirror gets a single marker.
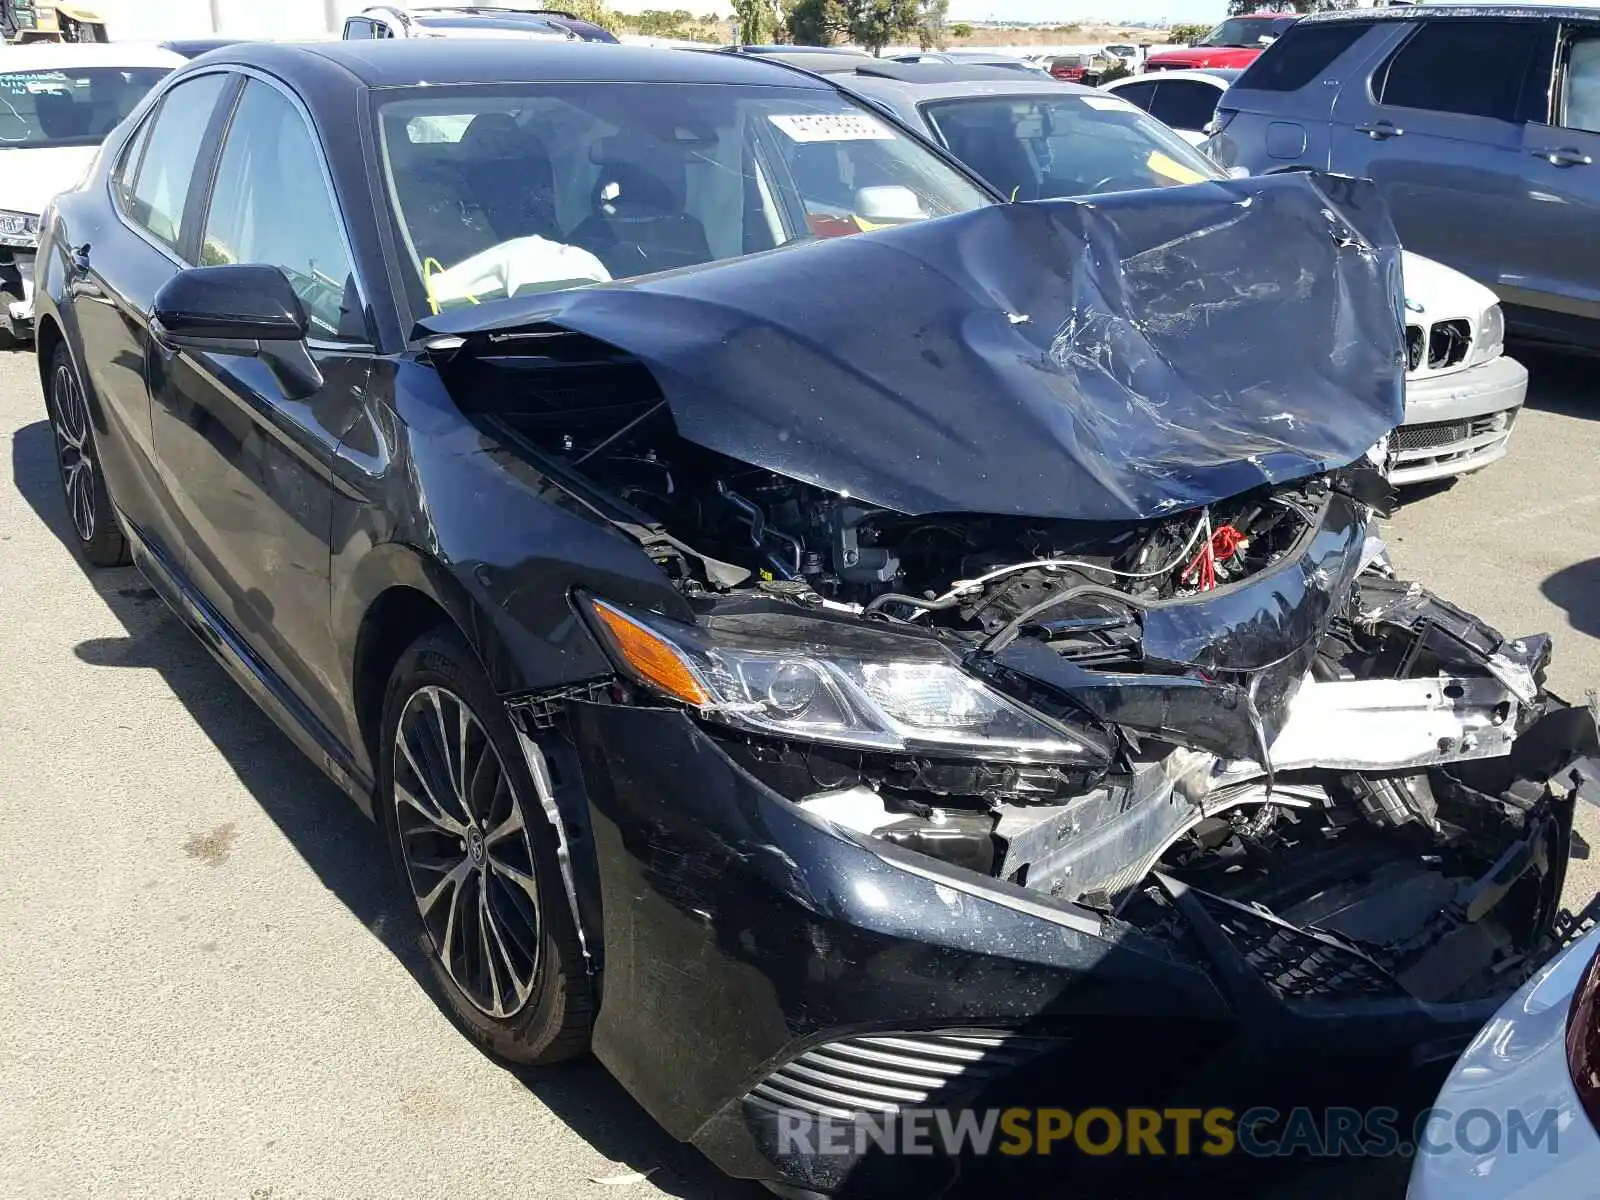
(248, 310)
(235, 303)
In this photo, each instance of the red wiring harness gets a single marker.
(1219, 547)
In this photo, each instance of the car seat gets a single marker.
(995, 152)
(508, 172)
(637, 223)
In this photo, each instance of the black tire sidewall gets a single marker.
(553, 1024)
(106, 546)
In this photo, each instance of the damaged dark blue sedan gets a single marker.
(832, 641)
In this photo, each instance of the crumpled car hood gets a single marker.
(1112, 358)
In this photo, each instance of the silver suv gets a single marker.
(1480, 125)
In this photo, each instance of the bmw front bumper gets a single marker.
(1458, 422)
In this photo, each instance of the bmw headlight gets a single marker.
(19, 229)
(1490, 341)
(871, 690)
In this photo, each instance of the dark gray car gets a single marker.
(1480, 126)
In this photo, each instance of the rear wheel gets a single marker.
(83, 485)
(477, 857)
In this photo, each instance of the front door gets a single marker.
(250, 457)
(1558, 291)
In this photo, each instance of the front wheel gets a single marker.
(477, 857)
(83, 484)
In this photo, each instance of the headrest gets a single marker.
(640, 177)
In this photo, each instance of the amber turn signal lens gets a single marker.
(651, 657)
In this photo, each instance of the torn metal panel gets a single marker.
(1391, 724)
(1111, 358)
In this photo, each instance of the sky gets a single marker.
(1108, 11)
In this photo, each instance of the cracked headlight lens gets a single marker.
(18, 228)
(913, 697)
(1490, 341)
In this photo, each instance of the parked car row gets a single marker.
(832, 674)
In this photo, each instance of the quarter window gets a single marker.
(1475, 68)
(1185, 103)
(1302, 54)
(271, 205)
(170, 152)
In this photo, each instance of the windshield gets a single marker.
(1244, 32)
(74, 107)
(501, 190)
(1042, 147)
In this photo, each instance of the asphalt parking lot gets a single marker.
(200, 991)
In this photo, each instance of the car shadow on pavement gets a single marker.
(1559, 383)
(331, 835)
(1577, 590)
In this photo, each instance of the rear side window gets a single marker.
(167, 160)
(1475, 68)
(1185, 103)
(1301, 55)
(1142, 93)
(358, 28)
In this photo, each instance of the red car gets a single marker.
(1069, 67)
(1235, 43)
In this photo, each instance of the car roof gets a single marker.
(902, 72)
(1218, 75)
(408, 62)
(42, 56)
(1428, 12)
(996, 82)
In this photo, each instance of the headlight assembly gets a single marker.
(915, 699)
(1491, 335)
(18, 229)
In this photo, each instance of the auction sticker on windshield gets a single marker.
(832, 127)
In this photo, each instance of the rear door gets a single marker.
(1557, 291)
(1438, 127)
(118, 267)
(1278, 113)
(251, 457)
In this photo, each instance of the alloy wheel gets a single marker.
(467, 853)
(74, 451)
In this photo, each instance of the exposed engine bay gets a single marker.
(1355, 815)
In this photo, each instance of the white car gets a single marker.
(394, 21)
(57, 103)
(1462, 392)
(1516, 1119)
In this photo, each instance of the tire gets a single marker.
(515, 982)
(83, 484)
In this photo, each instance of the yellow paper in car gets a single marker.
(1171, 168)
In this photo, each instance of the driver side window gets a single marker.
(271, 205)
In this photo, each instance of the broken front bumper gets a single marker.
(760, 962)
(16, 291)
(1458, 422)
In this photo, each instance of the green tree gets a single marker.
(755, 19)
(592, 10)
(931, 31)
(876, 23)
(1239, 8)
(960, 30)
(817, 22)
(1187, 35)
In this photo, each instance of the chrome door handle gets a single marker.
(1564, 156)
(1379, 130)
